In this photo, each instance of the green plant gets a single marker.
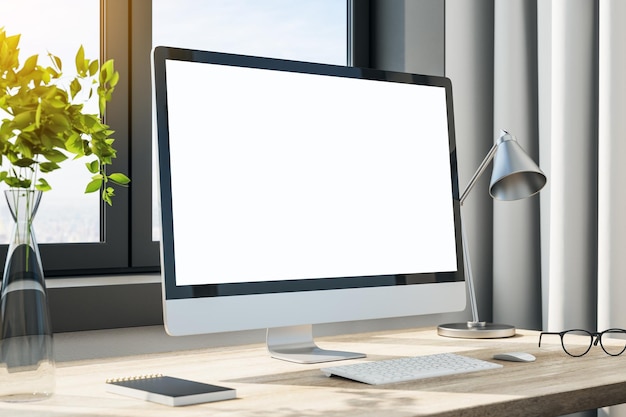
(46, 122)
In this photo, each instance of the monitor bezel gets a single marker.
(172, 291)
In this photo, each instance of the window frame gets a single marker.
(144, 251)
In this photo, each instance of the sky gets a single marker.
(306, 30)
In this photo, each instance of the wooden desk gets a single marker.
(555, 384)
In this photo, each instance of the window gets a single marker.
(90, 237)
(121, 239)
(304, 30)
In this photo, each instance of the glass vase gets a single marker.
(26, 353)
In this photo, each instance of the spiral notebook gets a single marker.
(169, 390)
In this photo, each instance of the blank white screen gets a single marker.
(279, 175)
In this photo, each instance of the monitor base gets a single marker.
(471, 330)
(295, 344)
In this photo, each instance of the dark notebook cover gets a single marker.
(169, 390)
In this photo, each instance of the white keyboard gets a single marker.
(408, 369)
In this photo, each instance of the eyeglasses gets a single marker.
(573, 341)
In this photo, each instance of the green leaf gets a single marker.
(48, 166)
(14, 182)
(30, 128)
(24, 162)
(13, 41)
(93, 186)
(57, 62)
(107, 195)
(90, 120)
(93, 166)
(93, 67)
(46, 76)
(59, 123)
(43, 185)
(21, 120)
(46, 141)
(56, 103)
(107, 72)
(54, 155)
(38, 115)
(102, 104)
(74, 144)
(115, 79)
(75, 87)
(11, 156)
(119, 178)
(29, 65)
(81, 68)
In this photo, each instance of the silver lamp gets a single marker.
(515, 176)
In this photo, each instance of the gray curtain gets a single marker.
(553, 73)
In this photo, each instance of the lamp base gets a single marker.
(480, 330)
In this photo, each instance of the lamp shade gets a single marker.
(515, 175)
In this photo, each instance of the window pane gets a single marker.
(303, 30)
(66, 214)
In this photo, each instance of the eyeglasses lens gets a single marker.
(577, 342)
(614, 341)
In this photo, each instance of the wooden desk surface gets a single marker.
(553, 385)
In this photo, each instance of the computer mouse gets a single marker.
(515, 357)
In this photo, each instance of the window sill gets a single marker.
(101, 281)
(104, 302)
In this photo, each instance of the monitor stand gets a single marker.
(295, 344)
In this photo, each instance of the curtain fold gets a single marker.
(612, 166)
(612, 171)
(516, 254)
(469, 64)
(568, 111)
(559, 86)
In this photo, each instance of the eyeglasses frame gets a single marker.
(595, 337)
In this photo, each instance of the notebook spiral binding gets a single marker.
(133, 378)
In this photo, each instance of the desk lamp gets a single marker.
(515, 176)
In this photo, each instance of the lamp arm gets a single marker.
(466, 256)
(479, 172)
(469, 279)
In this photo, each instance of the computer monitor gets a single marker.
(297, 193)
